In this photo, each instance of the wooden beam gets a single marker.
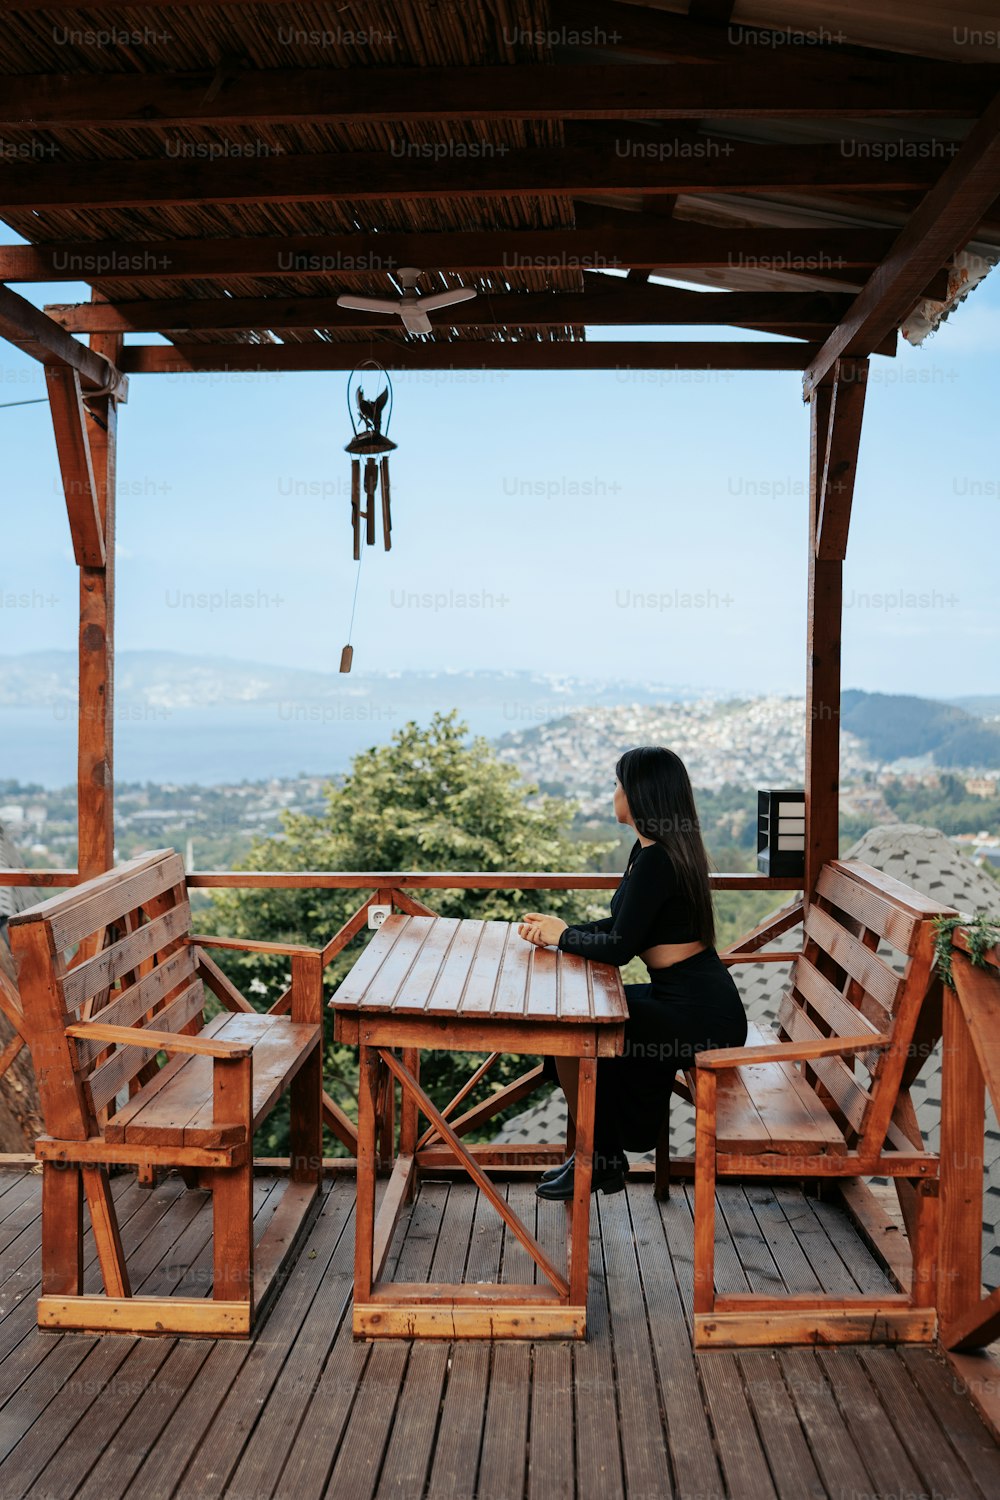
(944, 221)
(36, 335)
(468, 354)
(813, 84)
(69, 422)
(604, 165)
(840, 460)
(824, 624)
(612, 303)
(95, 740)
(634, 242)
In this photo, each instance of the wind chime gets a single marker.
(374, 446)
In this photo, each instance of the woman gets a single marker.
(662, 911)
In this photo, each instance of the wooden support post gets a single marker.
(232, 1187)
(704, 1191)
(364, 1213)
(583, 1162)
(95, 747)
(963, 1123)
(62, 1230)
(825, 602)
(306, 1092)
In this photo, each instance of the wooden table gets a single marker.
(442, 983)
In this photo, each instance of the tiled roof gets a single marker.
(921, 857)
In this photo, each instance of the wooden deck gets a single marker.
(305, 1411)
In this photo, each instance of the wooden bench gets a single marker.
(110, 977)
(826, 1096)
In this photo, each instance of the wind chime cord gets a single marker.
(37, 401)
(354, 602)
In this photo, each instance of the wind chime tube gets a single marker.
(346, 657)
(386, 511)
(356, 508)
(371, 485)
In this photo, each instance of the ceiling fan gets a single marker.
(409, 306)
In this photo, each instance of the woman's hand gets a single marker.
(541, 930)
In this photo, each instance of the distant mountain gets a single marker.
(895, 726)
(984, 706)
(174, 680)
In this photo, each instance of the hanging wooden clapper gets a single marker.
(374, 446)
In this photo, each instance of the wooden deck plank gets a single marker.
(411, 1443)
(455, 1461)
(107, 1371)
(321, 1301)
(599, 1471)
(916, 1425)
(305, 1411)
(234, 1378)
(834, 1450)
(793, 1471)
(79, 1363)
(885, 1457)
(753, 1251)
(688, 1431)
(737, 1445)
(966, 1431)
(643, 1438)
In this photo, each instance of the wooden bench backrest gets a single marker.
(841, 986)
(114, 946)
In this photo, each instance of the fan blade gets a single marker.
(445, 299)
(414, 321)
(368, 304)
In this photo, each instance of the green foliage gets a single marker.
(431, 799)
(983, 934)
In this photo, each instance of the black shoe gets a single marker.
(554, 1172)
(561, 1188)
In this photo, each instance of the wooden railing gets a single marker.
(392, 889)
(970, 1064)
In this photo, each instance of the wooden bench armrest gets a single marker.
(250, 945)
(166, 1041)
(834, 1046)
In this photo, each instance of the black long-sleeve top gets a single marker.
(647, 908)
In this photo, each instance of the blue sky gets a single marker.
(650, 527)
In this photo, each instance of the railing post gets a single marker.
(963, 1126)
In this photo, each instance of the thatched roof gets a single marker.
(180, 158)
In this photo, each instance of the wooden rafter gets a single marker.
(69, 422)
(469, 354)
(611, 303)
(360, 176)
(36, 335)
(638, 241)
(943, 222)
(768, 86)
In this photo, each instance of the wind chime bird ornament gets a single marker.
(374, 446)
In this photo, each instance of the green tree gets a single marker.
(431, 799)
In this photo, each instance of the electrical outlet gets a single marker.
(378, 914)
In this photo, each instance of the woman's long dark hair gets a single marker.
(658, 791)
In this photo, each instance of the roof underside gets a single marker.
(228, 131)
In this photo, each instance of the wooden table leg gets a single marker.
(364, 1213)
(409, 1120)
(583, 1162)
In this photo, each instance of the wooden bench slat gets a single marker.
(180, 1112)
(854, 958)
(841, 1014)
(871, 908)
(129, 1005)
(114, 1130)
(791, 1119)
(833, 1072)
(123, 892)
(109, 1077)
(902, 895)
(107, 966)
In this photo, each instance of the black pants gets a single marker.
(691, 1006)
